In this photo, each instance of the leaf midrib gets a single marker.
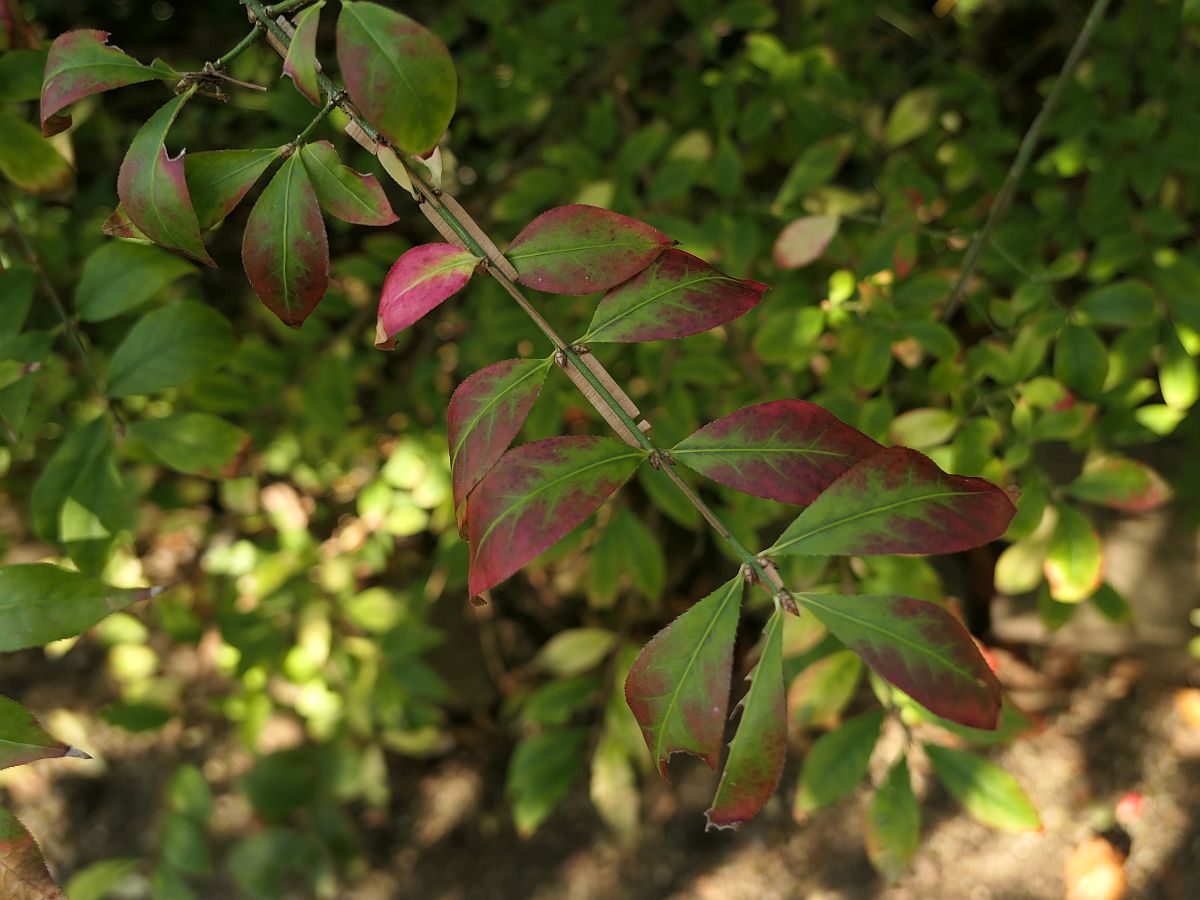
(508, 389)
(596, 330)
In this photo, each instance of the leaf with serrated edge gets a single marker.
(580, 249)
(678, 688)
(757, 752)
(345, 194)
(300, 64)
(893, 823)
(1074, 564)
(486, 412)
(675, 296)
(23, 740)
(837, 762)
(918, 647)
(898, 501)
(23, 874)
(786, 450)
(398, 73)
(81, 63)
(219, 179)
(534, 495)
(419, 281)
(154, 191)
(285, 250)
(984, 789)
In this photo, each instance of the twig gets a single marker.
(1024, 155)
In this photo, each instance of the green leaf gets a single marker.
(192, 442)
(911, 117)
(1112, 605)
(168, 347)
(918, 647)
(627, 550)
(82, 476)
(29, 161)
(217, 180)
(898, 501)
(984, 789)
(1120, 483)
(756, 755)
(893, 823)
(1177, 375)
(678, 688)
(614, 786)
(22, 739)
(822, 689)
(21, 74)
(541, 772)
(575, 651)
(1121, 304)
(23, 874)
(923, 429)
(16, 287)
(815, 167)
(837, 762)
(154, 190)
(100, 880)
(397, 73)
(120, 276)
(343, 193)
(556, 702)
(40, 603)
(1074, 563)
(300, 64)
(1081, 360)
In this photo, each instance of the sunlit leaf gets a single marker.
(29, 161)
(170, 346)
(893, 829)
(397, 73)
(344, 193)
(580, 249)
(420, 280)
(918, 647)
(193, 442)
(786, 450)
(757, 752)
(575, 651)
(1177, 374)
(1120, 483)
(120, 276)
(300, 64)
(23, 874)
(540, 772)
(898, 501)
(22, 739)
(923, 428)
(219, 179)
(676, 296)
(804, 240)
(1074, 563)
(911, 117)
(837, 762)
(285, 250)
(822, 689)
(984, 789)
(678, 687)
(534, 495)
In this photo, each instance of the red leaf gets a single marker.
(535, 495)
(804, 240)
(285, 250)
(350, 196)
(676, 296)
(485, 414)
(300, 65)
(23, 874)
(581, 249)
(1120, 483)
(786, 450)
(419, 281)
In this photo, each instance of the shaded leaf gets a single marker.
(911, 117)
(756, 755)
(815, 167)
(837, 762)
(1120, 483)
(893, 829)
(580, 249)
(169, 346)
(628, 550)
(40, 603)
(82, 63)
(343, 193)
(804, 240)
(81, 475)
(678, 688)
(676, 296)
(193, 442)
(1081, 360)
(984, 789)
(219, 179)
(534, 495)
(29, 161)
(1112, 605)
(285, 250)
(23, 740)
(120, 276)
(822, 689)
(23, 874)
(1121, 304)
(540, 772)
(1074, 563)
(300, 64)
(918, 647)
(485, 413)
(786, 450)
(898, 501)
(397, 73)
(17, 288)
(419, 281)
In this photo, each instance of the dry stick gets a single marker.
(1024, 155)
(453, 223)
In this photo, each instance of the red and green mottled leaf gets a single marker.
(345, 194)
(984, 789)
(81, 63)
(218, 180)
(803, 241)
(536, 494)
(786, 450)
(893, 829)
(1120, 483)
(756, 755)
(1074, 564)
(300, 64)
(119, 225)
(398, 73)
(918, 647)
(580, 249)
(23, 874)
(154, 191)
(485, 414)
(837, 762)
(23, 740)
(420, 280)
(898, 501)
(30, 161)
(676, 296)
(15, 32)
(678, 687)
(285, 250)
